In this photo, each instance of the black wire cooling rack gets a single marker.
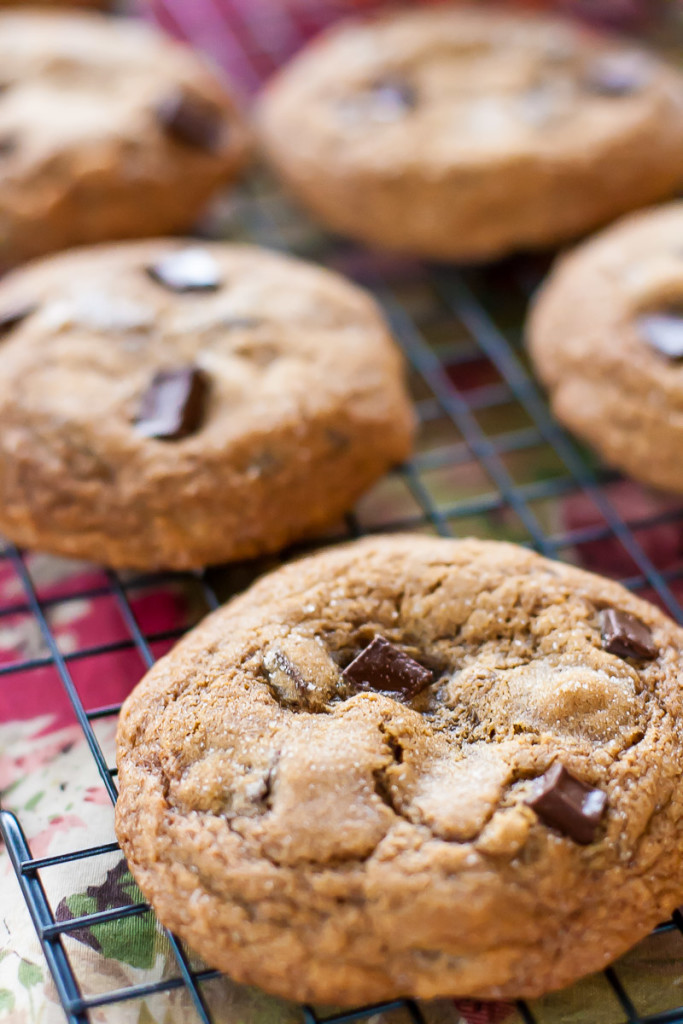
(490, 461)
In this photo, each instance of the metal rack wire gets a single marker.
(480, 412)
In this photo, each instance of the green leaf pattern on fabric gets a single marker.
(132, 942)
(6, 1000)
(31, 804)
(135, 945)
(29, 975)
(81, 904)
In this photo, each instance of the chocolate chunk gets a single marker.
(625, 635)
(276, 662)
(618, 74)
(381, 666)
(191, 120)
(392, 97)
(13, 315)
(664, 332)
(188, 270)
(565, 803)
(173, 405)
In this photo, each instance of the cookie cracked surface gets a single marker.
(606, 337)
(334, 844)
(458, 133)
(175, 404)
(84, 154)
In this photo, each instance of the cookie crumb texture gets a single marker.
(339, 845)
(84, 156)
(165, 404)
(464, 134)
(606, 337)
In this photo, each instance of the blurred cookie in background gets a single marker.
(606, 338)
(172, 403)
(107, 130)
(464, 134)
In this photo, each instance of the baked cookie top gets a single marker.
(92, 106)
(174, 403)
(477, 131)
(447, 85)
(606, 335)
(411, 766)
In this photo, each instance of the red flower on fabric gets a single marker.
(475, 1012)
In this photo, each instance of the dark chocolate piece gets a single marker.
(13, 315)
(567, 804)
(664, 332)
(192, 121)
(282, 663)
(617, 74)
(381, 666)
(187, 270)
(173, 405)
(625, 635)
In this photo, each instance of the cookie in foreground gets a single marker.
(411, 766)
(606, 337)
(108, 129)
(172, 403)
(464, 134)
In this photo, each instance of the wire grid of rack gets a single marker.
(490, 460)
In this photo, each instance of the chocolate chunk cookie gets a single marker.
(464, 134)
(175, 403)
(411, 766)
(107, 130)
(606, 337)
